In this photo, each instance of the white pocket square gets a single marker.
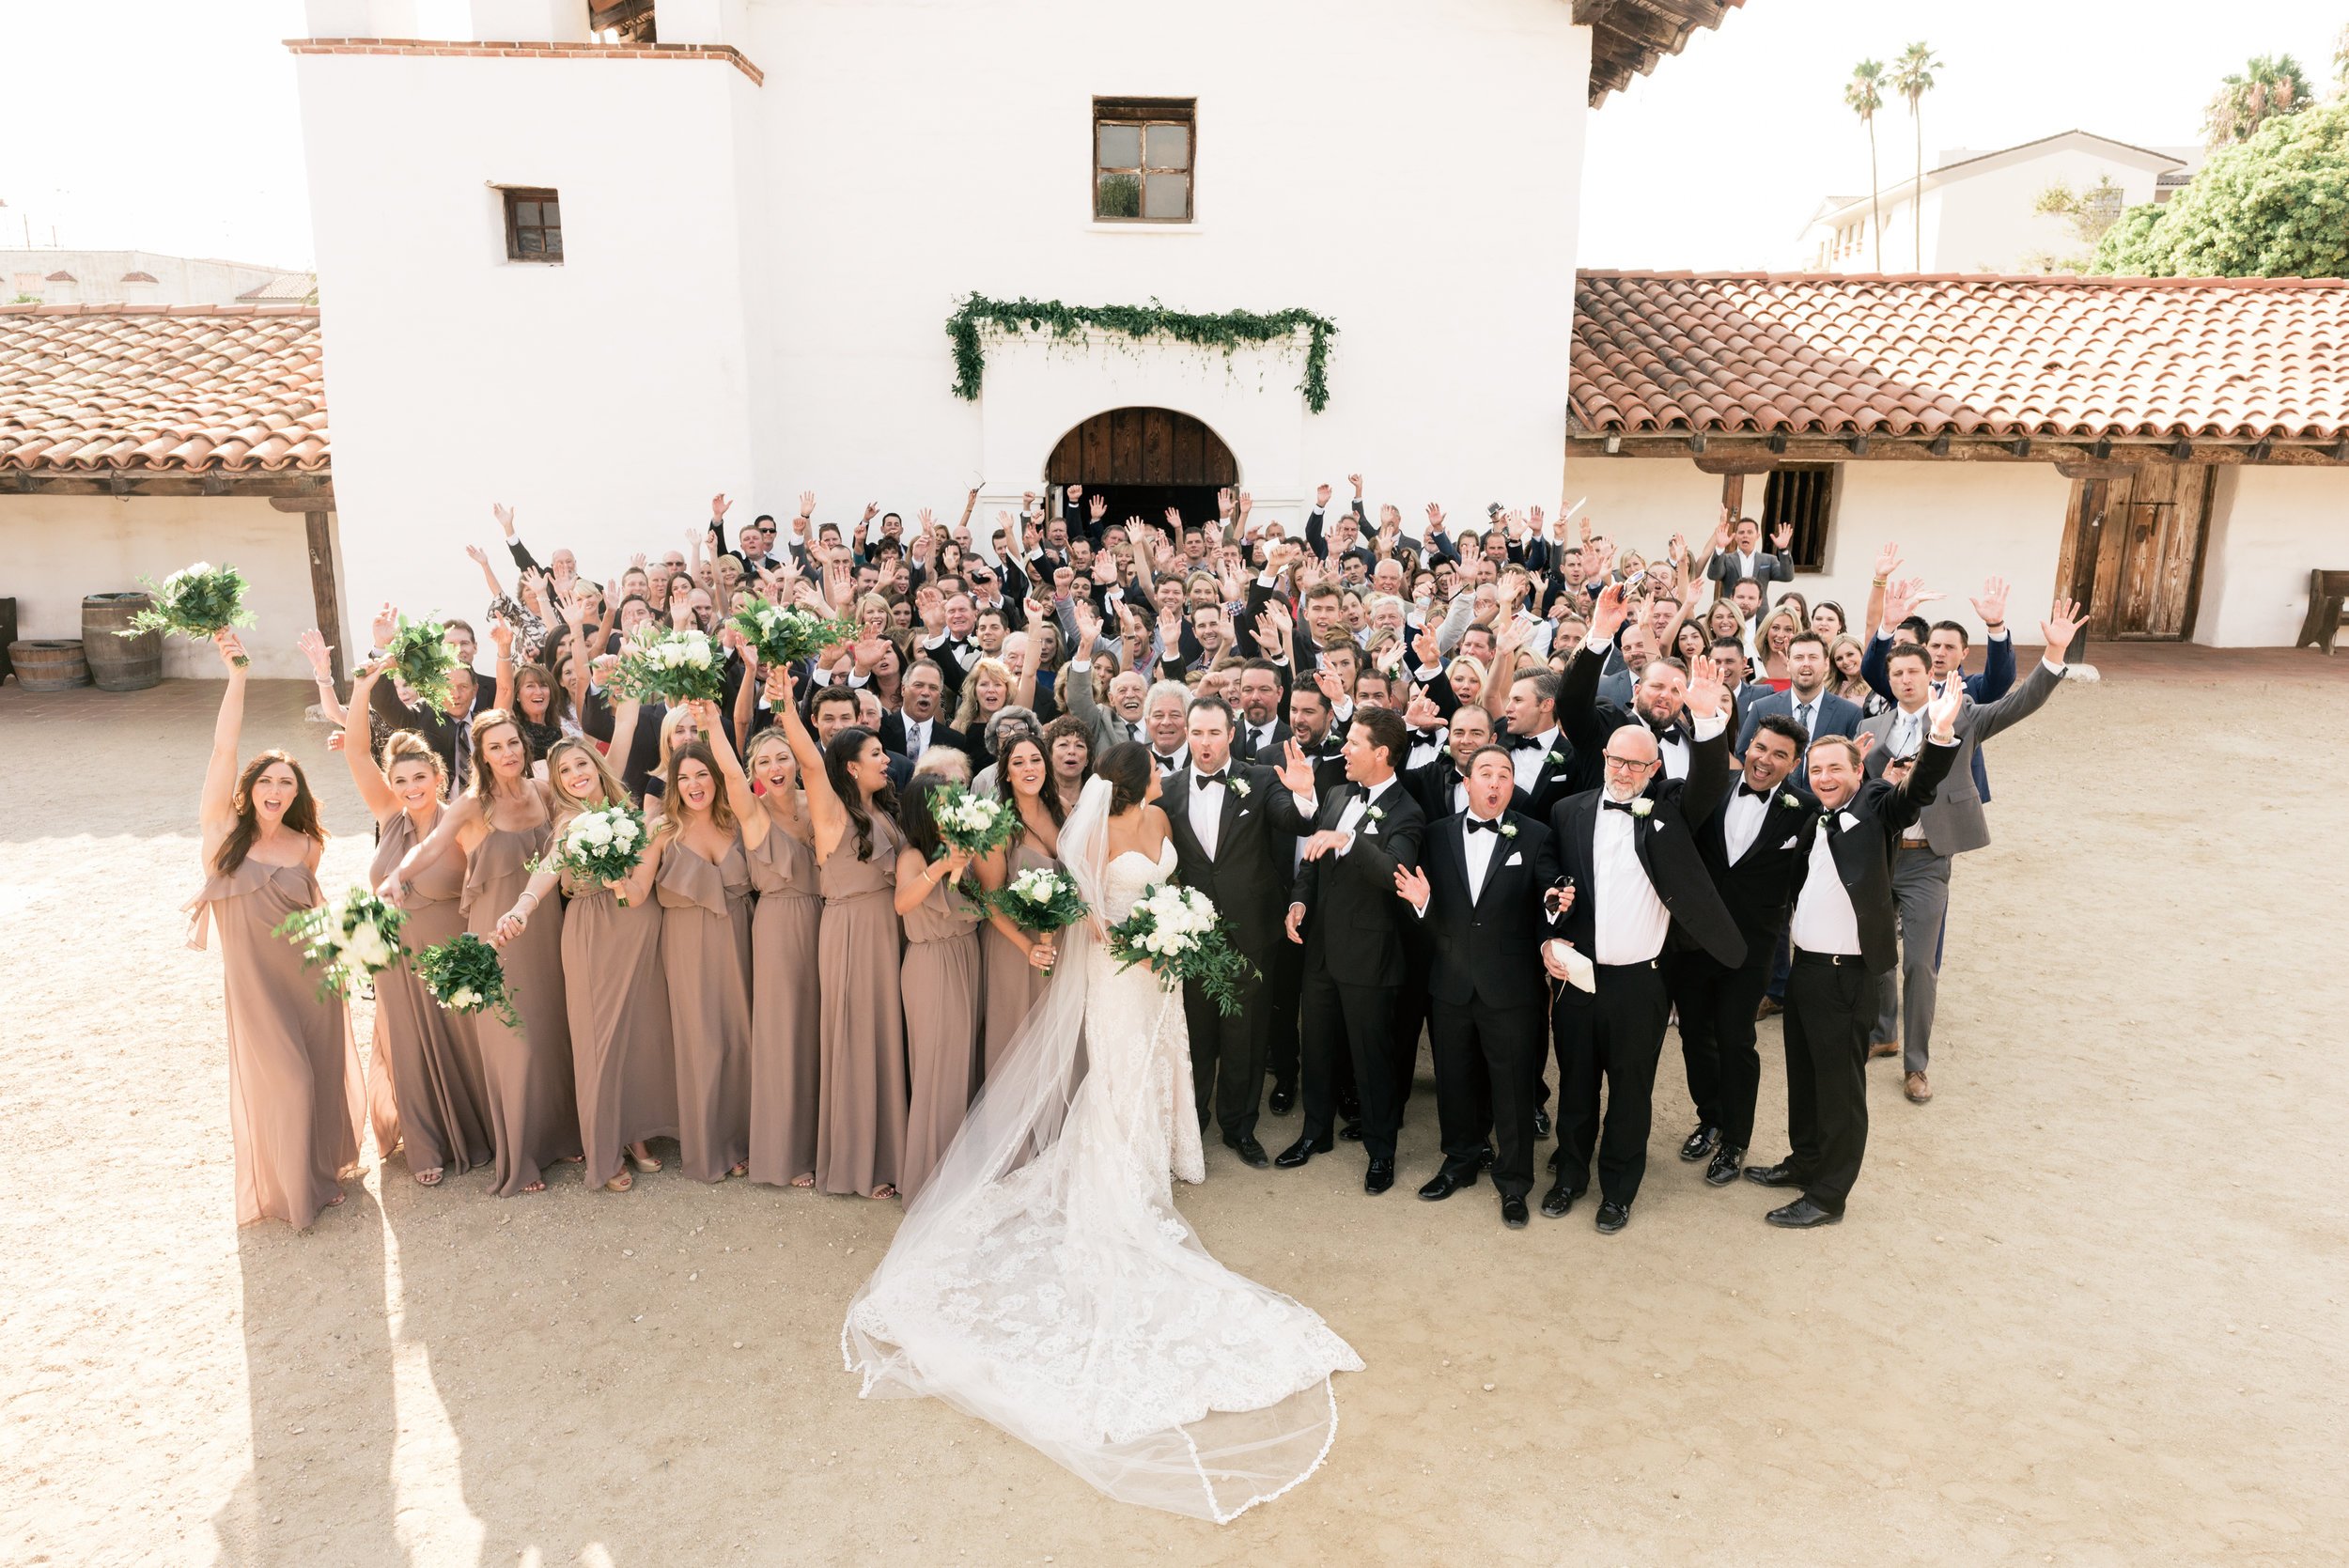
(1515, 860)
(1848, 820)
(1788, 845)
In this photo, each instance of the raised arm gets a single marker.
(447, 834)
(1707, 786)
(748, 812)
(313, 648)
(825, 813)
(503, 635)
(218, 808)
(375, 790)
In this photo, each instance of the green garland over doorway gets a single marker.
(1226, 333)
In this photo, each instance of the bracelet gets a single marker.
(1877, 582)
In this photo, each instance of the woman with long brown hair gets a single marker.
(939, 979)
(1017, 962)
(786, 1026)
(615, 997)
(860, 1124)
(703, 880)
(293, 1072)
(430, 1054)
(501, 827)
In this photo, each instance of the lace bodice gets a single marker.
(1129, 875)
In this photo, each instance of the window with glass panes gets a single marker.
(1143, 152)
(534, 226)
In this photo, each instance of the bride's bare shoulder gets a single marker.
(1155, 829)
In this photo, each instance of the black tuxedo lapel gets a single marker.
(1453, 842)
(1776, 818)
(1232, 807)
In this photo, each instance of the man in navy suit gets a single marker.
(1806, 701)
(1947, 641)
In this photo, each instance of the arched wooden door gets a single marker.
(1143, 461)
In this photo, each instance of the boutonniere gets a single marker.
(1508, 830)
(1788, 801)
(1552, 759)
(1642, 806)
(1374, 814)
(1237, 785)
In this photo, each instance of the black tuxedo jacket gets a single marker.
(1354, 922)
(1666, 841)
(1561, 772)
(1487, 949)
(1249, 876)
(1587, 720)
(1431, 785)
(1863, 852)
(893, 735)
(1758, 888)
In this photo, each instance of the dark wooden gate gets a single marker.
(2133, 549)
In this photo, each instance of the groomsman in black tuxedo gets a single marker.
(1231, 825)
(1478, 895)
(1844, 934)
(1540, 755)
(1352, 934)
(1634, 880)
(1284, 975)
(1752, 848)
(1658, 699)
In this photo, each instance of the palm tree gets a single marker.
(1912, 78)
(2267, 87)
(1861, 97)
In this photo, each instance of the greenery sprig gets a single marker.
(1227, 332)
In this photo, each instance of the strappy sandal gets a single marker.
(429, 1178)
(621, 1183)
(644, 1163)
(886, 1190)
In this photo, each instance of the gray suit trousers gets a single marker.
(1905, 997)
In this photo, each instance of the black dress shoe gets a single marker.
(1556, 1202)
(1780, 1174)
(1486, 1158)
(1801, 1215)
(1699, 1143)
(1724, 1167)
(1249, 1151)
(1299, 1152)
(1380, 1177)
(1444, 1184)
(1541, 1122)
(1351, 1132)
(1612, 1217)
(1350, 1106)
(1283, 1099)
(1513, 1213)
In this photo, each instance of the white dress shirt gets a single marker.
(1741, 821)
(1482, 848)
(1824, 918)
(1207, 813)
(1528, 761)
(1629, 923)
(1351, 817)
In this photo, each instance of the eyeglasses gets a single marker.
(1626, 765)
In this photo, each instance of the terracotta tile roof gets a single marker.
(2003, 357)
(59, 276)
(187, 389)
(138, 278)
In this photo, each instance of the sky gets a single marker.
(181, 133)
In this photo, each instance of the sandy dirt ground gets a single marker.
(2089, 1307)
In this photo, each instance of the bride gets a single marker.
(1043, 1280)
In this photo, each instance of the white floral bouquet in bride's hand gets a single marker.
(349, 940)
(669, 667)
(599, 847)
(1176, 931)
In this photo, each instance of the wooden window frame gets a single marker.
(1808, 489)
(1142, 112)
(511, 196)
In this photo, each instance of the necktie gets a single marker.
(1201, 780)
(1616, 805)
(1802, 717)
(1478, 825)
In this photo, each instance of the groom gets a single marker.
(1234, 827)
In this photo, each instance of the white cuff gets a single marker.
(1710, 725)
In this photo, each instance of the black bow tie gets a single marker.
(1669, 731)
(1524, 742)
(1201, 780)
(1749, 789)
(1615, 805)
(1478, 825)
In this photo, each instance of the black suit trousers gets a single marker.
(1488, 1059)
(1614, 1034)
(1830, 1007)
(1354, 1025)
(1227, 1059)
(1284, 983)
(1718, 1005)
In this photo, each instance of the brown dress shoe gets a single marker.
(1769, 1006)
(1917, 1089)
(1884, 1048)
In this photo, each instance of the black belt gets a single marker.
(1837, 959)
(1655, 963)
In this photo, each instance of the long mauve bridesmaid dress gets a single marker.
(706, 948)
(1012, 984)
(617, 1001)
(526, 1067)
(860, 1131)
(941, 982)
(787, 1031)
(294, 1084)
(429, 1052)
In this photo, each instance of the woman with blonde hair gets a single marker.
(293, 1072)
(616, 995)
(1777, 633)
(1845, 657)
(430, 1056)
(986, 690)
(786, 1038)
(501, 827)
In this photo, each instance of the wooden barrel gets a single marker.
(118, 663)
(47, 664)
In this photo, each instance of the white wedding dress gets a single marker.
(1043, 1280)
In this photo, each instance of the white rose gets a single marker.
(624, 831)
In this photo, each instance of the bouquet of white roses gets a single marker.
(599, 847)
(780, 635)
(464, 976)
(1041, 900)
(670, 667)
(1177, 931)
(420, 658)
(977, 823)
(198, 602)
(348, 941)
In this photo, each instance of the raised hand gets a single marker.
(1784, 537)
(930, 608)
(1608, 615)
(313, 647)
(1425, 648)
(1423, 713)
(1226, 500)
(1098, 507)
(719, 508)
(1331, 687)
(1990, 604)
(504, 514)
(1174, 522)
(2062, 624)
(807, 509)
(1321, 498)
(1706, 693)
(1944, 711)
(1294, 773)
(1410, 885)
(503, 635)
(231, 651)
(1888, 560)
(386, 625)
(1435, 521)
(1724, 531)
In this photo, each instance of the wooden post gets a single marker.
(325, 603)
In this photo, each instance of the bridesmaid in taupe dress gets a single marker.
(940, 985)
(293, 1072)
(861, 1126)
(502, 826)
(615, 995)
(430, 1053)
(702, 882)
(787, 1035)
(1017, 962)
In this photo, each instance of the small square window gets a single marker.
(533, 226)
(1144, 156)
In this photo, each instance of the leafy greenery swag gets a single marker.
(1227, 332)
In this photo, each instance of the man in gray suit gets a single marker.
(1736, 555)
(1806, 701)
(1953, 825)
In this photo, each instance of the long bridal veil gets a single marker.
(1044, 1281)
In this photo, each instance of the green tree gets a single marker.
(2089, 213)
(1912, 78)
(2275, 206)
(1862, 97)
(2267, 87)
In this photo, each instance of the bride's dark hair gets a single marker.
(1127, 765)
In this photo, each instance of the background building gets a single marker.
(46, 276)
